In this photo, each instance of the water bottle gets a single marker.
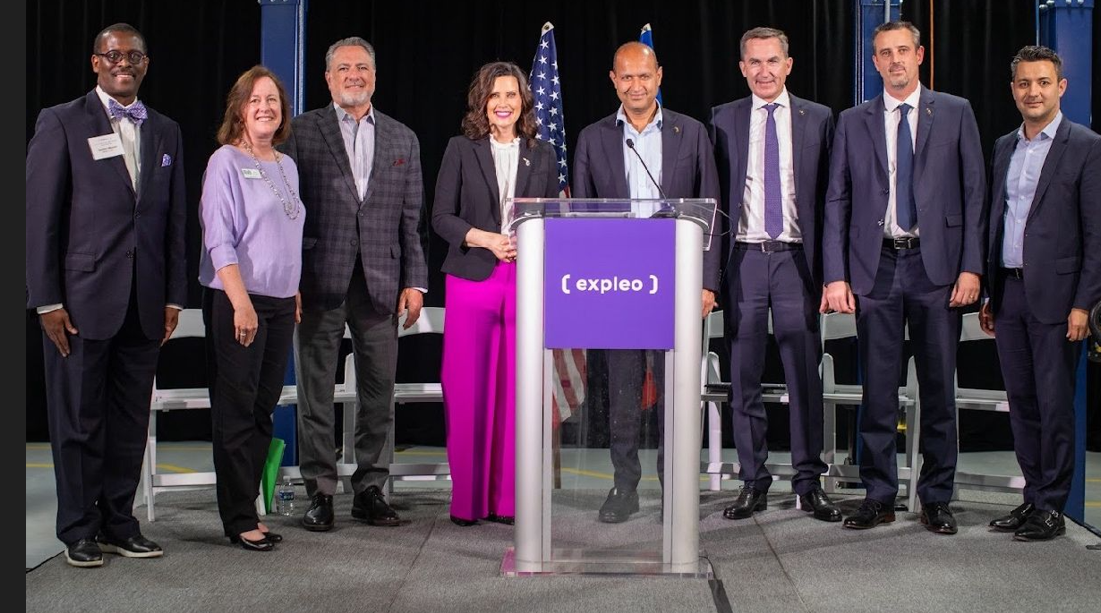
(284, 497)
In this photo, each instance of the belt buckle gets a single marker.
(903, 242)
(765, 246)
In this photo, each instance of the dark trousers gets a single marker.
(245, 384)
(780, 282)
(98, 407)
(903, 295)
(626, 372)
(317, 355)
(1038, 364)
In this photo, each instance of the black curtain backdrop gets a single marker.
(427, 53)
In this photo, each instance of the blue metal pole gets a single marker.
(1067, 27)
(282, 50)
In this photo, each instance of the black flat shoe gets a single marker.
(465, 523)
(259, 545)
(501, 519)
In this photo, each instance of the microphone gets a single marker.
(631, 146)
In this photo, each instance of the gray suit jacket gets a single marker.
(687, 170)
(811, 138)
(1063, 230)
(382, 228)
(467, 197)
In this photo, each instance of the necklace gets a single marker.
(292, 209)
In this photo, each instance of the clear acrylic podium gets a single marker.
(579, 259)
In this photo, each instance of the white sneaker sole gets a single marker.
(79, 564)
(105, 548)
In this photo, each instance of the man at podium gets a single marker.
(641, 151)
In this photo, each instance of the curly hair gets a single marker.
(476, 123)
(233, 125)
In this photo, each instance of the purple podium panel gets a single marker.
(609, 283)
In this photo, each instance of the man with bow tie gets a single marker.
(106, 275)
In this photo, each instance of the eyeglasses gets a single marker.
(115, 56)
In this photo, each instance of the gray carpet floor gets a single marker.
(779, 560)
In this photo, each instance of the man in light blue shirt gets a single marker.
(1043, 275)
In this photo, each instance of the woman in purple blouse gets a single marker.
(252, 222)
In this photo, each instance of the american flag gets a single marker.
(569, 364)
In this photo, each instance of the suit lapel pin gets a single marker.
(676, 129)
(527, 162)
(802, 111)
(929, 111)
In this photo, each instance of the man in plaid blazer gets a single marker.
(362, 265)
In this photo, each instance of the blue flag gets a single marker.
(646, 37)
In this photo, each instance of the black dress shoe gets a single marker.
(501, 519)
(465, 523)
(369, 506)
(1041, 526)
(274, 537)
(258, 545)
(319, 517)
(134, 547)
(817, 502)
(1016, 518)
(749, 501)
(938, 518)
(870, 514)
(618, 506)
(84, 553)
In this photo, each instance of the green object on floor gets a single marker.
(271, 471)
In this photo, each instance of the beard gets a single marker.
(354, 99)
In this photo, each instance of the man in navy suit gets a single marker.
(106, 274)
(903, 247)
(676, 148)
(772, 150)
(1045, 275)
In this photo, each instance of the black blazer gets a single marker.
(687, 169)
(90, 235)
(1062, 250)
(467, 197)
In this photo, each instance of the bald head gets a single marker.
(636, 76)
(634, 52)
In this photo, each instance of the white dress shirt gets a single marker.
(506, 157)
(130, 135)
(891, 229)
(751, 224)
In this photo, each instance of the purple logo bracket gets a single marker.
(609, 283)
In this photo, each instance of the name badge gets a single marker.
(251, 173)
(106, 146)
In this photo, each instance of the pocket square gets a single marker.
(166, 160)
(399, 162)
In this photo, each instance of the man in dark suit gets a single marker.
(676, 147)
(106, 274)
(362, 265)
(1045, 276)
(772, 149)
(904, 234)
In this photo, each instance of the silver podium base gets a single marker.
(604, 562)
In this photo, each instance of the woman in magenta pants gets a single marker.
(496, 158)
